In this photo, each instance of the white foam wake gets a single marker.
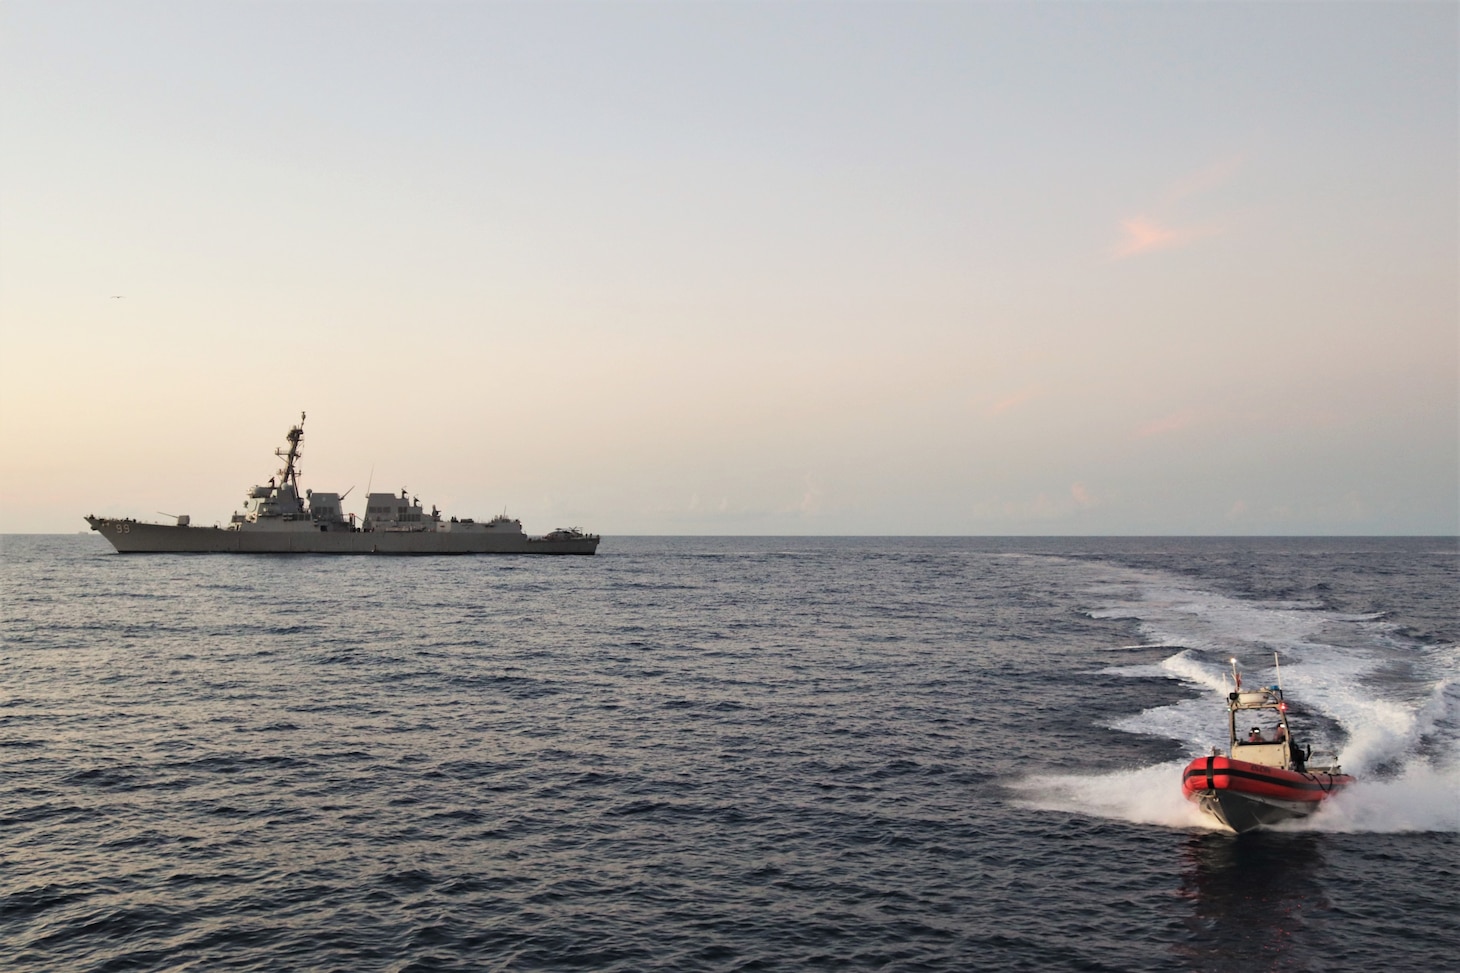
(1421, 798)
(1145, 795)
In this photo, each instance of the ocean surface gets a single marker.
(719, 754)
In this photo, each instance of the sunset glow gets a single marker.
(737, 268)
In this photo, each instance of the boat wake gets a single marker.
(1145, 795)
(1389, 707)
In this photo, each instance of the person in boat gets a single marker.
(1298, 755)
(1255, 735)
(1279, 734)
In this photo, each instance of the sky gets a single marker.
(737, 268)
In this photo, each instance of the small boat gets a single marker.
(1266, 777)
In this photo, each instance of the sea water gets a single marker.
(719, 754)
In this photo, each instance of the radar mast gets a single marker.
(289, 475)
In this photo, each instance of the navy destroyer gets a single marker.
(280, 519)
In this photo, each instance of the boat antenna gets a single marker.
(1279, 667)
(1236, 676)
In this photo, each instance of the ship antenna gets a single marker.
(365, 520)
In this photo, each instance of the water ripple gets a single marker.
(733, 754)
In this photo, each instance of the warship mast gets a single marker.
(289, 475)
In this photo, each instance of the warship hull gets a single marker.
(138, 537)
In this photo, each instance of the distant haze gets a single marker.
(751, 268)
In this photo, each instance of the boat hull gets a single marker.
(136, 537)
(1247, 796)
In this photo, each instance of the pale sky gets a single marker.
(737, 268)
